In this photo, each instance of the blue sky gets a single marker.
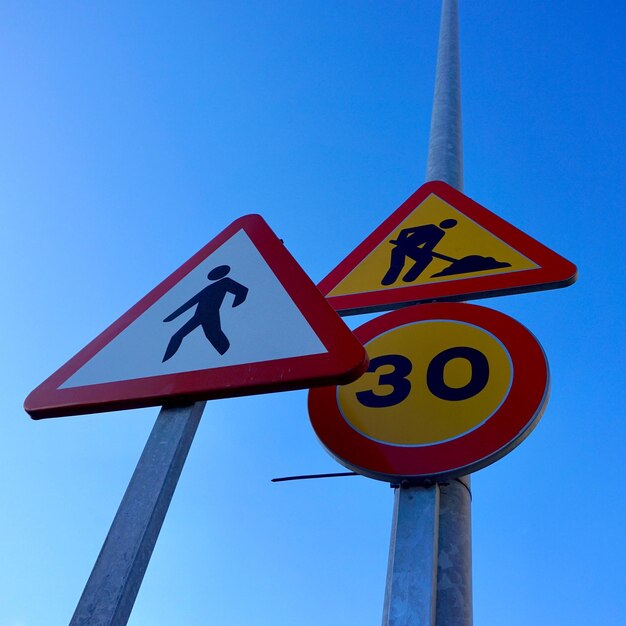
(133, 132)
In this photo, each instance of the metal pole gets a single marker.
(451, 529)
(445, 149)
(411, 589)
(111, 590)
(454, 559)
(445, 162)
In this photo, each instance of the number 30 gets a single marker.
(402, 367)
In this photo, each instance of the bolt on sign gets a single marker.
(450, 388)
(440, 245)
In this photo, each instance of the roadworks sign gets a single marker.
(440, 245)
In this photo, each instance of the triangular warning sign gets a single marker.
(240, 317)
(440, 245)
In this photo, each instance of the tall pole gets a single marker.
(111, 590)
(445, 162)
(445, 148)
(414, 595)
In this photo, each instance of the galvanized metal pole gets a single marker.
(454, 557)
(445, 162)
(411, 589)
(409, 586)
(445, 148)
(111, 590)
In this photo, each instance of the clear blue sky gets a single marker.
(131, 133)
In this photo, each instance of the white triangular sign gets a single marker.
(240, 317)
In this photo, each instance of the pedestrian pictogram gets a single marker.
(207, 305)
(240, 317)
(449, 389)
(440, 245)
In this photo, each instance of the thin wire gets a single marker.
(309, 476)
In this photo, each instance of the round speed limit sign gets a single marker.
(450, 388)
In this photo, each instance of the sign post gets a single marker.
(445, 162)
(411, 589)
(450, 388)
(240, 317)
(112, 587)
(438, 246)
(453, 596)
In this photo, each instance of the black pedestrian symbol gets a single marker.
(417, 243)
(207, 314)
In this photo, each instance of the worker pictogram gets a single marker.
(440, 245)
(239, 317)
(417, 245)
(449, 389)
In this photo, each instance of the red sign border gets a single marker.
(553, 272)
(503, 431)
(345, 360)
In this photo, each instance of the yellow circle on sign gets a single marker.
(428, 382)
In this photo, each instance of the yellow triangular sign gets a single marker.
(440, 245)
